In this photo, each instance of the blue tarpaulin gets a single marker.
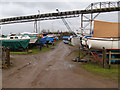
(66, 37)
(51, 39)
(57, 38)
(43, 40)
(45, 34)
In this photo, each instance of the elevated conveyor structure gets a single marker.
(99, 7)
(96, 9)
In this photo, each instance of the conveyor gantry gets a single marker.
(99, 7)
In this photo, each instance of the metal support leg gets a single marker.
(82, 24)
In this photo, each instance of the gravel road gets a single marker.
(50, 70)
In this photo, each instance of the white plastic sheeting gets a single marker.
(75, 41)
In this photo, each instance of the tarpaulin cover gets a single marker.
(15, 44)
(66, 38)
(51, 39)
(45, 34)
(57, 38)
(106, 29)
(43, 40)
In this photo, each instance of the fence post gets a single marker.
(89, 54)
(104, 57)
(8, 55)
(79, 53)
(3, 55)
(109, 59)
(0, 56)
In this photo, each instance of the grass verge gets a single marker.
(111, 73)
(36, 50)
(96, 69)
(76, 53)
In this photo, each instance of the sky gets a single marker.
(11, 8)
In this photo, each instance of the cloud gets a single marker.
(28, 8)
(56, 0)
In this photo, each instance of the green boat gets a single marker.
(15, 44)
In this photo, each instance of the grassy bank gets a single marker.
(111, 73)
(96, 69)
(70, 44)
(36, 50)
(33, 51)
(76, 53)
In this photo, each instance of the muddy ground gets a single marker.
(52, 69)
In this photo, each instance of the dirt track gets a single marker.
(51, 70)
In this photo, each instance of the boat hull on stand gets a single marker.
(107, 43)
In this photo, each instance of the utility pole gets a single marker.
(1, 48)
(91, 19)
(0, 31)
(39, 21)
(35, 26)
(82, 24)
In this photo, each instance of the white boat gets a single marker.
(15, 37)
(99, 43)
(84, 39)
(32, 39)
(15, 42)
(105, 34)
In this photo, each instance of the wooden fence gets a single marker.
(5, 56)
(110, 58)
(100, 56)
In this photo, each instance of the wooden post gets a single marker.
(27, 49)
(89, 54)
(8, 55)
(104, 57)
(3, 55)
(79, 53)
(109, 59)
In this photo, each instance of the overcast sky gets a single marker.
(13, 9)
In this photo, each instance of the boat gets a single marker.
(15, 37)
(107, 43)
(43, 40)
(105, 34)
(33, 40)
(65, 41)
(15, 42)
(84, 39)
(33, 36)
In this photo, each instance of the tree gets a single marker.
(44, 31)
(58, 31)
